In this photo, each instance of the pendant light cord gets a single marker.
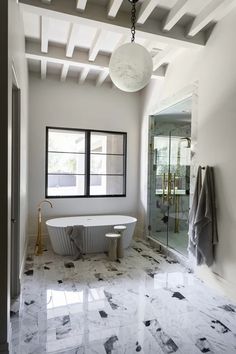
(133, 22)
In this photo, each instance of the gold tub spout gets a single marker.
(38, 250)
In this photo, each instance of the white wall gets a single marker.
(52, 103)
(17, 59)
(12, 52)
(213, 68)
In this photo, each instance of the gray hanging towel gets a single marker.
(192, 215)
(205, 224)
(76, 236)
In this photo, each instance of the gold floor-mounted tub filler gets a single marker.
(38, 250)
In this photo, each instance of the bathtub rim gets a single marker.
(52, 222)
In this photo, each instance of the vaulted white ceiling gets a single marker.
(75, 38)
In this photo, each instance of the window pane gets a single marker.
(106, 185)
(59, 185)
(107, 143)
(66, 163)
(106, 164)
(66, 140)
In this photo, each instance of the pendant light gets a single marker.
(131, 66)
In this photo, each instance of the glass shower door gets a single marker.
(169, 190)
(178, 206)
(159, 172)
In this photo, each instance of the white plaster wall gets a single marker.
(213, 68)
(53, 103)
(17, 58)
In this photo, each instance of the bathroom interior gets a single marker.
(117, 221)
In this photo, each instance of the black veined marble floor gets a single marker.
(145, 303)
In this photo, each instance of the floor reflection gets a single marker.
(144, 303)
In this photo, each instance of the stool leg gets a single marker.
(120, 248)
(113, 250)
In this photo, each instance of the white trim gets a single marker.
(175, 14)
(146, 9)
(113, 7)
(181, 95)
(22, 265)
(14, 75)
(81, 5)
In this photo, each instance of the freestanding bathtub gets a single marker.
(93, 239)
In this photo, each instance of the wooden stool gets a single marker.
(120, 229)
(112, 251)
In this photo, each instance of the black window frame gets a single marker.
(87, 163)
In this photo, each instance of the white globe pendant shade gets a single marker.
(130, 67)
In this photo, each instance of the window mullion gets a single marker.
(87, 167)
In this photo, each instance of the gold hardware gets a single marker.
(174, 185)
(38, 250)
(176, 230)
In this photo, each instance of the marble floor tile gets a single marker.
(143, 303)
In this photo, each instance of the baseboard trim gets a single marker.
(214, 280)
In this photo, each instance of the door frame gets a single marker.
(15, 186)
(187, 92)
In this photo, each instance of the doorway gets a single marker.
(169, 176)
(15, 195)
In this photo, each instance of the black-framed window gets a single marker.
(85, 163)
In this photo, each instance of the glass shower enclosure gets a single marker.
(169, 182)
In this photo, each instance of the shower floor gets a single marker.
(177, 241)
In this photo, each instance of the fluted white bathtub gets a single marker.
(93, 239)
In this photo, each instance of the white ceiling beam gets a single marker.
(81, 4)
(64, 71)
(43, 68)
(44, 23)
(102, 77)
(123, 39)
(96, 45)
(80, 59)
(57, 55)
(83, 75)
(113, 7)
(164, 57)
(216, 9)
(96, 16)
(70, 46)
(146, 9)
(175, 14)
